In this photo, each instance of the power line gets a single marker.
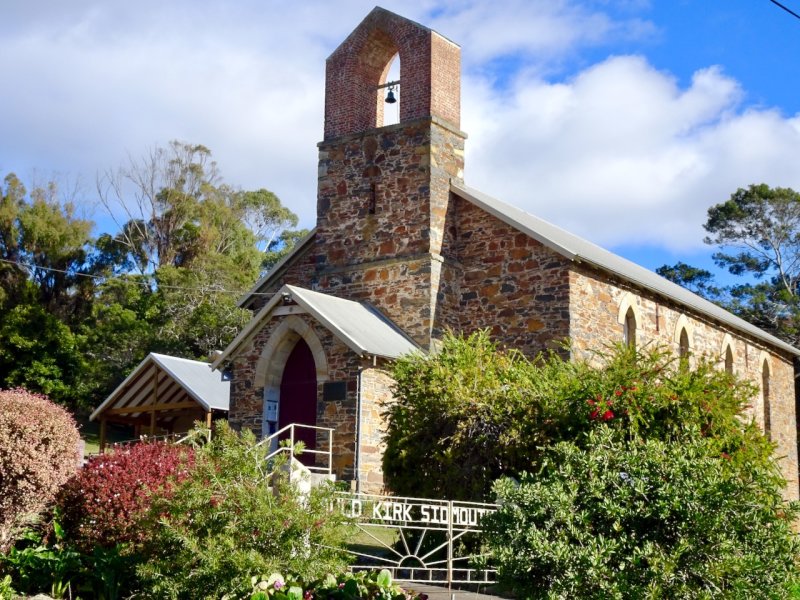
(143, 283)
(786, 8)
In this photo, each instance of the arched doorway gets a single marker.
(298, 397)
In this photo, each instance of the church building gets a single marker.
(404, 250)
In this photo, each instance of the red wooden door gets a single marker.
(298, 399)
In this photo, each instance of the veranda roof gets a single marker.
(359, 325)
(169, 386)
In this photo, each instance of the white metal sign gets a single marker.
(419, 540)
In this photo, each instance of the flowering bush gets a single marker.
(471, 413)
(364, 585)
(229, 519)
(38, 452)
(103, 505)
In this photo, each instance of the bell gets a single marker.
(390, 99)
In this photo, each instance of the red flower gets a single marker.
(593, 414)
(608, 415)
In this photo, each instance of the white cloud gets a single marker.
(621, 154)
(617, 152)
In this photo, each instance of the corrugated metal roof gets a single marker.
(182, 379)
(358, 325)
(575, 248)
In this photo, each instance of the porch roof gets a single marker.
(359, 325)
(166, 385)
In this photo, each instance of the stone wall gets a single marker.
(382, 203)
(376, 384)
(252, 371)
(505, 281)
(598, 303)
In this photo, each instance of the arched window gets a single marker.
(629, 328)
(683, 348)
(728, 360)
(628, 316)
(765, 398)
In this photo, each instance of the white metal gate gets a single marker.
(419, 540)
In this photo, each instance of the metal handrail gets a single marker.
(290, 448)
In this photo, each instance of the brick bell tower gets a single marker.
(383, 191)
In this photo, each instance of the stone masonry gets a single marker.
(392, 232)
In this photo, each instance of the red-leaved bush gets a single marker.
(104, 503)
(38, 453)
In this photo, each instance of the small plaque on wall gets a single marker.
(334, 390)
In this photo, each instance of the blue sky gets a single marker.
(622, 121)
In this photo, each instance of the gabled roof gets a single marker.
(577, 249)
(195, 379)
(360, 326)
(277, 268)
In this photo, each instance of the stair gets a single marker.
(303, 476)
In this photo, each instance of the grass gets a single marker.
(90, 434)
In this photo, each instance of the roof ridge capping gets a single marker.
(189, 360)
(578, 249)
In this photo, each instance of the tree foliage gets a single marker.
(179, 212)
(78, 312)
(694, 279)
(757, 235)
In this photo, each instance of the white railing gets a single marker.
(289, 449)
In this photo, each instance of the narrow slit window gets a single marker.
(683, 348)
(630, 328)
(765, 393)
(373, 198)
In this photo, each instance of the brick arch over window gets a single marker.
(280, 345)
(630, 318)
(430, 71)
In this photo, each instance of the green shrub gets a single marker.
(472, 413)
(7, 591)
(461, 419)
(42, 565)
(38, 453)
(610, 517)
(224, 523)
